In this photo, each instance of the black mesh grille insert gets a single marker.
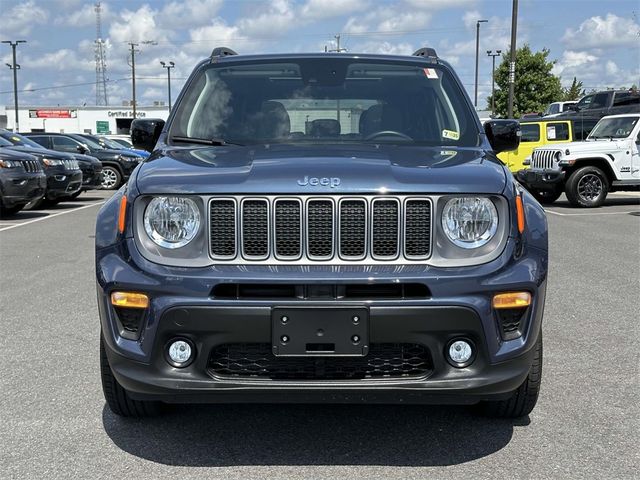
(385, 228)
(255, 360)
(352, 228)
(417, 228)
(287, 228)
(255, 228)
(223, 228)
(320, 228)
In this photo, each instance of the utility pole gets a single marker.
(101, 64)
(493, 56)
(133, 46)
(475, 101)
(337, 49)
(168, 66)
(15, 67)
(512, 61)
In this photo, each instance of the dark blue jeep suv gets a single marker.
(322, 228)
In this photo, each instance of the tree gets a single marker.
(535, 86)
(574, 92)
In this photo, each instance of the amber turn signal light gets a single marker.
(520, 213)
(129, 300)
(122, 214)
(511, 300)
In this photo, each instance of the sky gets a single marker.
(598, 41)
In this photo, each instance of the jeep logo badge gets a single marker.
(332, 182)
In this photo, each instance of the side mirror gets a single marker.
(82, 149)
(573, 107)
(503, 135)
(145, 132)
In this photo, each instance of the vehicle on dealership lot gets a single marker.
(115, 145)
(557, 108)
(117, 165)
(608, 102)
(22, 180)
(322, 227)
(124, 140)
(64, 177)
(586, 171)
(90, 167)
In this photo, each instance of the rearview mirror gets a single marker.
(503, 135)
(145, 132)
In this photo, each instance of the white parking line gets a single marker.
(586, 214)
(2, 229)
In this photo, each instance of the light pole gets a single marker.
(512, 61)
(15, 67)
(132, 47)
(168, 66)
(475, 101)
(493, 56)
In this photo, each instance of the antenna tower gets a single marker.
(100, 56)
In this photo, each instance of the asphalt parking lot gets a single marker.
(55, 423)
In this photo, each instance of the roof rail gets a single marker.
(222, 52)
(425, 52)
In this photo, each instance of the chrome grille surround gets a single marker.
(348, 233)
(543, 159)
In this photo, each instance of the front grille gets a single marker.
(544, 159)
(310, 229)
(71, 164)
(32, 166)
(256, 361)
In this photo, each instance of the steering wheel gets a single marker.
(383, 133)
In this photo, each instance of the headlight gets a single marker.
(172, 222)
(130, 159)
(49, 162)
(9, 164)
(469, 222)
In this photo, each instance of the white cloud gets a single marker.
(21, 19)
(322, 9)
(439, 4)
(188, 13)
(274, 21)
(598, 32)
(593, 70)
(84, 17)
(386, 48)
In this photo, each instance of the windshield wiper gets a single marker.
(204, 141)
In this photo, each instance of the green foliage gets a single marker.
(574, 92)
(535, 86)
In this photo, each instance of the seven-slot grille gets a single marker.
(348, 228)
(71, 164)
(32, 166)
(544, 159)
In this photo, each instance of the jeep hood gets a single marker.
(300, 169)
(42, 152)
(589, 146)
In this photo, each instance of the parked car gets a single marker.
(271, 252)
(557, 108)
(586, 171)
(22, 180)
(64, 177)
(90, 166)
(117, 165)
(536, 133)
(608, 102)
(123, 140)
(114, 145)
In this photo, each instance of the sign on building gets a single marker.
(102, 126)
(53, 113)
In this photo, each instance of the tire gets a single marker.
(524, 398)
(117, 398)
(546, 197)
(587, 187)
(111, 178)
(8, 212)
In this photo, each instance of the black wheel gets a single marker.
(525, 397)
(587, 187)
(117, 397)
(546, 197)
(8, 212)
(111, 178)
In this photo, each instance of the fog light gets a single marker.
(460, 353)
(180, 353)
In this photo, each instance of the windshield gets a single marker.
(619, 127)
(110, 143)
(553, 108)
(4, 142)
(90, 142)
(321, 100)
(16, 139)
(123, 142)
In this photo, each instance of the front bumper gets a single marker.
(182, 305)
(541, 179)
(63, 183)
(91, 178)
(20, 188)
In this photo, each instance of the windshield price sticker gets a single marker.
(450, 134)
(551, 132)
(430, 72)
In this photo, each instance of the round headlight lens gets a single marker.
(470, 222)
(172, 222)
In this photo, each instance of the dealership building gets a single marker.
(78, 119)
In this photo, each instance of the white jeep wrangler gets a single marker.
(606, 161)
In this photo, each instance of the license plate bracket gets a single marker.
(320, 331)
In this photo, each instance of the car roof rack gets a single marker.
(425, 52)
(221, 52)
